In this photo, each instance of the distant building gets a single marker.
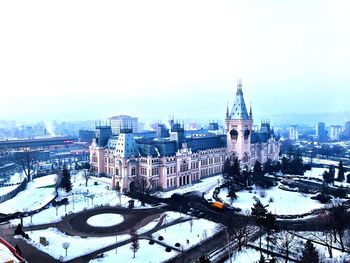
(347, 129)
(86, 136)
(123, 122)
(162, 131)
(168, 163)
(321, 131)
(334, 132)
(294, 132)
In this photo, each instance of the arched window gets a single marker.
(234, 134)
(133, 171)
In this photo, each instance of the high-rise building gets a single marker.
(347, 129)
(294, 132)
(334, 132)
(123, 122)
(321, 131)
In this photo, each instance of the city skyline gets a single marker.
(101, 61)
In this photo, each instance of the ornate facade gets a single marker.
(168, 163)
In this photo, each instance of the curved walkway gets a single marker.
(76, 224)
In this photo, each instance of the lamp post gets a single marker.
(116, 241)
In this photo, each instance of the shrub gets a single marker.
(160, 238)
(271, 200)
(168, 249)
(177, 245)
(151, 242)
(262, 193)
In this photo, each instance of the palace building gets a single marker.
(183, 157)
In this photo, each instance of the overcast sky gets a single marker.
(91, 59)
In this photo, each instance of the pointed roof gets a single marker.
(239, 109)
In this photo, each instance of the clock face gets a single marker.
(234, 134)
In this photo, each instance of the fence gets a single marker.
(14, 192)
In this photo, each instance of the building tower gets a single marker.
(239, 126)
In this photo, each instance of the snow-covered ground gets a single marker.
(317, 172)
(16, 178)
(7, 189)
(181, 233)
(105, 220)
(48, 180)
(146, 254)
(82, 197)
(30, 199)
(298, 244)
(283, 202)
(245, 256)
(78, 246)
(204, 186)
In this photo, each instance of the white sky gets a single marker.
(91, 59)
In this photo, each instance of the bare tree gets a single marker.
(339, 222)
(144, 189)
(240, 229)
(286, 242)
(87, 173)
(134, 246)
(27, 159)
(325, 238)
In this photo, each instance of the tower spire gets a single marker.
(239, 85)
(227, 112)
(251, 111)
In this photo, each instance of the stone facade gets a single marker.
(168, 163)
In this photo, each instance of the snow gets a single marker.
(78, 246)
(79, 199)
(6, 189)
(284, 202)
(245, 256)
(30, 199)
(105, 220)
(44, 181)
(146, 254)
(181, 232)
(16, 178)
(317, 172)
(204, 185)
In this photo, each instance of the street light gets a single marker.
(116, 241)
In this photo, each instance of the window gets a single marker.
(116, 171)
(133, 171)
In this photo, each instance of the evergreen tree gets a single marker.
(328, 177)
(268, 167)
(310, 254)
(226, 170)
(66, 183)
(259, 213)
(269, 224)
(285, 165)
(236, 168)
(232, 192)
(348, 178)
(257, 171)
(341, 172)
